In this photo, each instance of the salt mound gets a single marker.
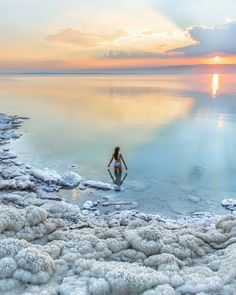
(52, 181)
(71, 179)
(46, 175)
(229, 204)
(39, 254)
(98, 185)
(23, 262)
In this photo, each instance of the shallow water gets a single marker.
(177, 134)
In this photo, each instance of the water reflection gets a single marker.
(96, 108)
(178, 140)
(74, 194)
(196, 172)
(215, 84)
(117, 178)
(221, 121)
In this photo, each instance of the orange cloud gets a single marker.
(132, 41)
(85, 38)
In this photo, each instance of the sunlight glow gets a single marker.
(81, 35)
(215, 84)
(74, 194)
(221, 121)
(216, 59)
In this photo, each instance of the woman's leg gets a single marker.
(118, 170)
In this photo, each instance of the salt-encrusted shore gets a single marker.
(49, 246)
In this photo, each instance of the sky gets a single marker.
(97, 34)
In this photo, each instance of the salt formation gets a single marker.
(144, 257)
(229, 204)
(99, 185)
(50, 180)
(51, 247)
(20, 261)
(71, 179)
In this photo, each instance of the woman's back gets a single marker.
(117, 156)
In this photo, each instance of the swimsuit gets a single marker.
(117, 164)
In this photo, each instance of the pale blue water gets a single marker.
(177, 134)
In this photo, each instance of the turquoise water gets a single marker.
(177, 134)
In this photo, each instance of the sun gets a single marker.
(216, 59)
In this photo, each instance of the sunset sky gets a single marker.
(90, 34)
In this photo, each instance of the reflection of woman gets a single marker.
(118, 181)
(118, 158)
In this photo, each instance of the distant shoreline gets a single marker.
(162, 70)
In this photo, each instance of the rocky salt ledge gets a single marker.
(49, 246)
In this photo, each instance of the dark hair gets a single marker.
(116, 152)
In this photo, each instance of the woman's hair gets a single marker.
(116, 152)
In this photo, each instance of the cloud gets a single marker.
(123, 43)
(85, 38)
(141, 44)
(205, 41)
(209, 40)
(118, 54)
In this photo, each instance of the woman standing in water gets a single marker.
(118, 158)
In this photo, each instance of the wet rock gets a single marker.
(98, 185)
(70, 179)
(229, 204)
(88, 205)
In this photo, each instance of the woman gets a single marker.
(117, 157)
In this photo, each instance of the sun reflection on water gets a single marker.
(215, 84)
(74, 194)
(221, 121)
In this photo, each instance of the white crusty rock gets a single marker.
(7, 267)
(16, 184)
(229, 204)
(11, 219)
(46, 175)
(70, 179)
(24, 262)
(35, 215)
(6, 155)
(34, 266)
(21, 199)
(88, 205)
(15, 178)
(5, 136)
(123, 278)
(29, 224)
(145, 257)
(98, 185)
(51, 181)
(10, 172)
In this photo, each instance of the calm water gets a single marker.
(177, 133)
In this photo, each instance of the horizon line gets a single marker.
(115, 70)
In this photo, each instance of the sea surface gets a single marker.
(177, 134)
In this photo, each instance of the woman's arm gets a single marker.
(124, 162)
(110, 161)
(124, 178)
